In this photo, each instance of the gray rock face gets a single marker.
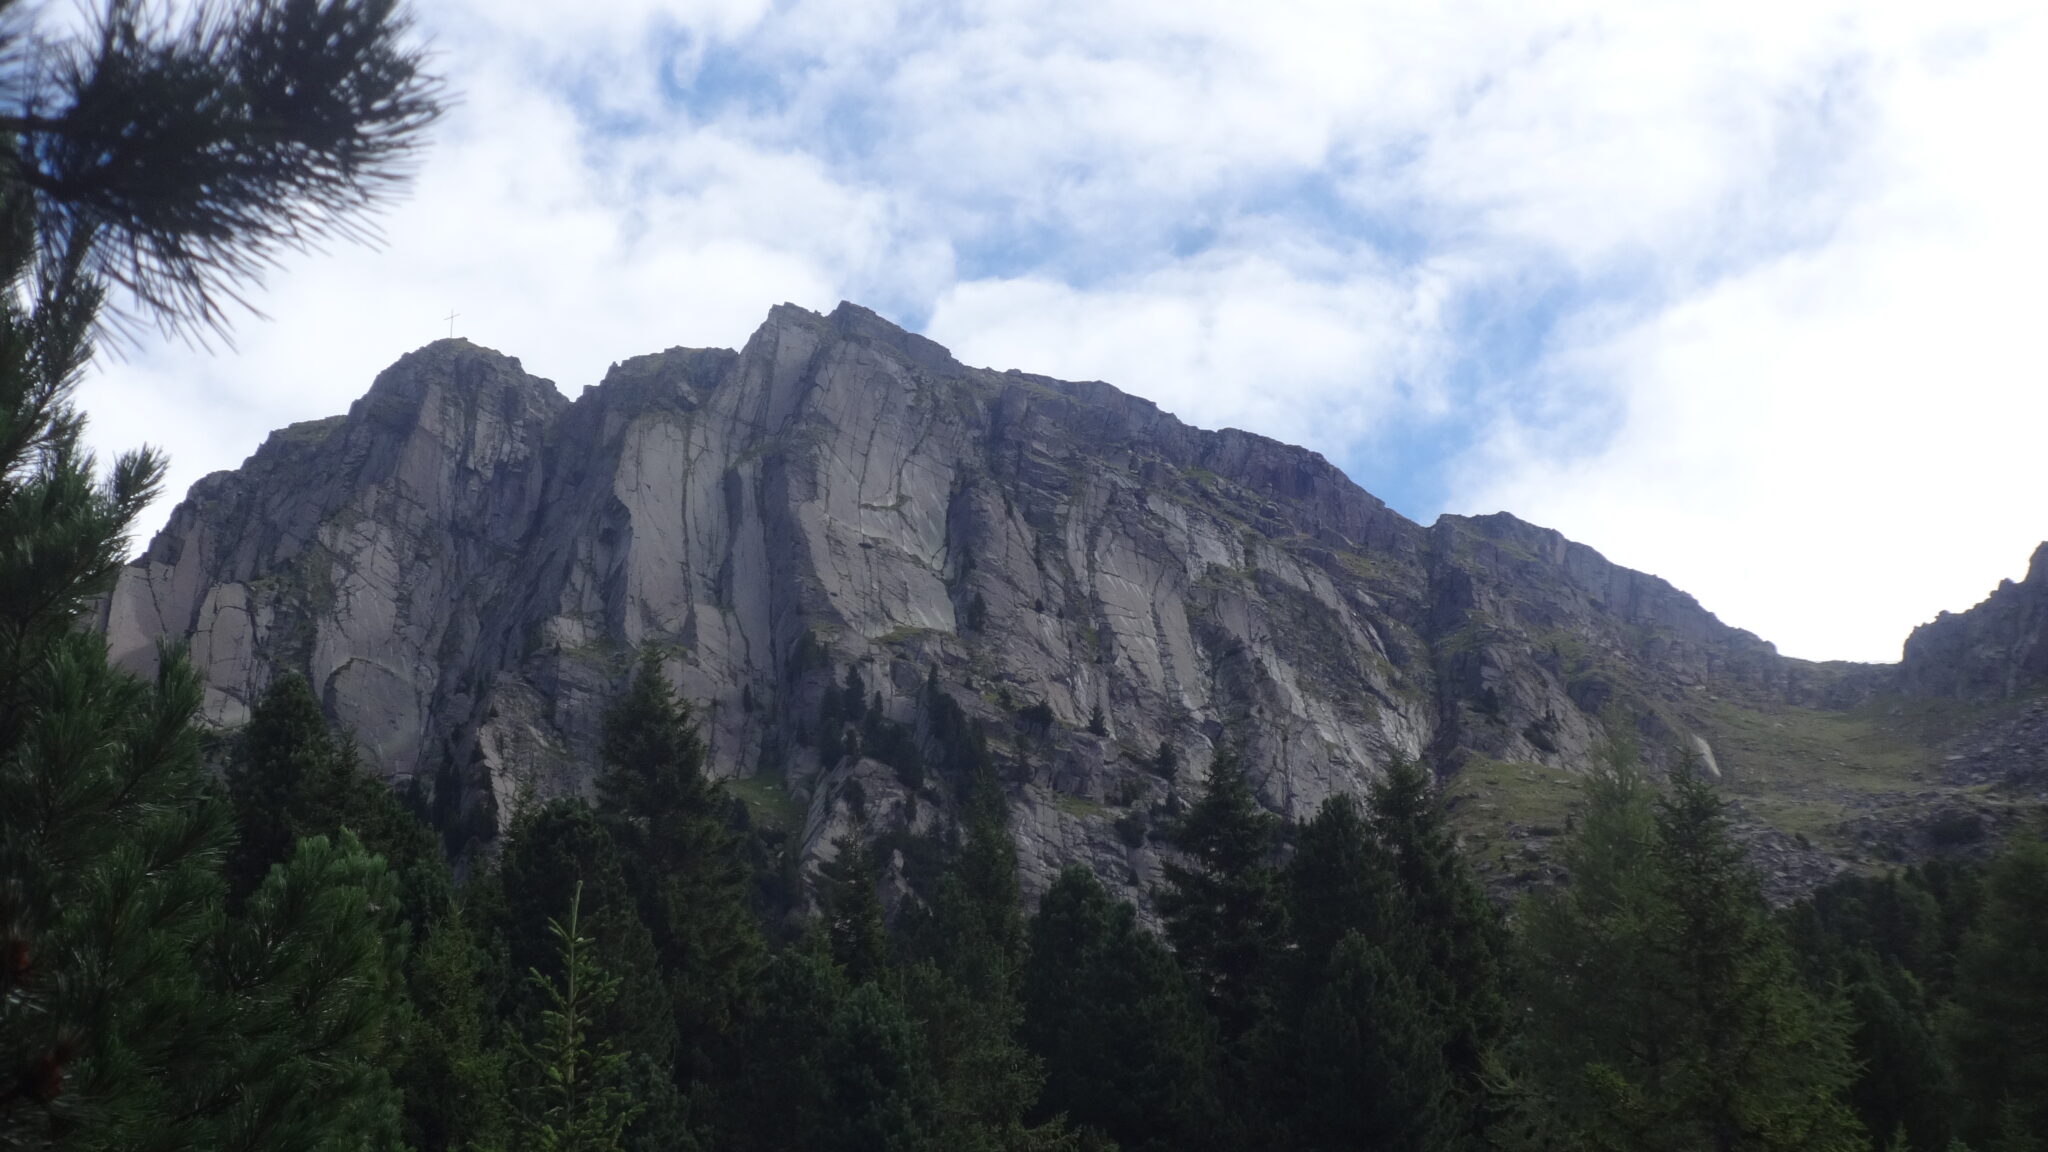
(1997, 649)
(466, 563)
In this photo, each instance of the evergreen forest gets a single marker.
(247, 940)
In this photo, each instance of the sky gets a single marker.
(1746, 295)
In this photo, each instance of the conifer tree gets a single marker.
(1440, 910)
(1223, 910)
(454, 1070)
(1665, 1012)
(850, 910)
(1370, 1060)
(288, 777)
(559, 852)
(133, 1014)
(573, 1079)
(101, 809)
(312, 989)
(1128, 1051)
(829, 1063)
(1892, 918)
(1364, 999)
(163, 155)
(2001, 1028)
(1339, 881)
(776, 1098)
(880, 1093)
(683, 863)
(1904, 1083)
(962, 987)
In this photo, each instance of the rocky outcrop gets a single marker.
(1998, 649)
(466, 565)
(355, 550)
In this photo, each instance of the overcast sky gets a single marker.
(1748, 295)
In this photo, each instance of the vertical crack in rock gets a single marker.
(467, 563)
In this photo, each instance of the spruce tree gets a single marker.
(683, 863)
(2001, 1029)
(777, 1096)
(879, 1091)
(562, 852)
(454, 1069)
(829, 1063)
(1369, 1060)
(1128, 1050)
(1338, 882)
(1892, 918)
(289, 776)
(572, 1079)
(850, 911)
(1440, 910)
(962, 987)
(1904, 1082)
(1364, 999)
(1223, 909)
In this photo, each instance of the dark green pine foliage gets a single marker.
(880, 1094)
(277, 1025)
(967, 953)
(1223, 909)
(1882, 942)
(313, 974)
(850, 912)
(454, 1069)
(826, 1061)
(684, 864)
(1770, 1066)
(2001, 1026)
(1439, 909)
(1593, 1008)
(1664, 1008)
(574, 1095)
(1339, 882)
(1893, 918)
(550, 856)
(1904, 1083)
(134, 1015)
(776, 1097)
(1355, 1006)
(157, 151)
(288, 777)
(974, 930)
(1128, 1051)
(1369, 1060)
(102, 808)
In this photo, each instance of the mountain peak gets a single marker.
(466, 564)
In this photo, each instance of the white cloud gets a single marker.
(1830, 446)
(1240, 341)
(1772, 262)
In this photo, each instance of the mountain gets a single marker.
(466, 564)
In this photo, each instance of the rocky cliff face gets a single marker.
(466, 564)
(1997, 649)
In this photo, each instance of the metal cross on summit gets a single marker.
(450, 318)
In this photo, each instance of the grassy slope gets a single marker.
(1827, 777)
